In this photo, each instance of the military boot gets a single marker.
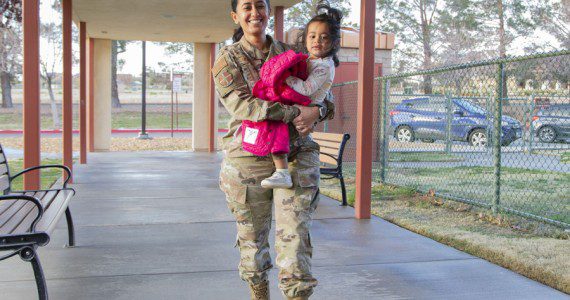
(259, 291)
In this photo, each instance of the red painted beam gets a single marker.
(90, 97)
(279, 11)
(82, 93)
(67, 86)
(365, 109)
(31, 84)
(212, 107)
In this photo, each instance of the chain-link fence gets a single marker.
(493, 133)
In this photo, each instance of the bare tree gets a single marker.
(183, 50)
(501, 31)
(52, 34)
(416, 23)
(10, 61)
(553, 16)
(118, 47)
(300, 14)
(10, 46)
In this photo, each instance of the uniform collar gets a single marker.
(255, 53)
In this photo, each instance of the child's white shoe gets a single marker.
(279, 179)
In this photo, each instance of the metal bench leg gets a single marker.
(29, 254)
(343, 188)
(40, 279)
(70, 230)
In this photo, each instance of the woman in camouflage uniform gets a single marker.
(235, 72)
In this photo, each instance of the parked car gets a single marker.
(552, 123)
(426, 119)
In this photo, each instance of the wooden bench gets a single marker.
(332, 148)
(27, 218)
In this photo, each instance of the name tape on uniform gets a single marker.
(250, 135)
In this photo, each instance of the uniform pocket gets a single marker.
(239, 194)
(308, 177)
(235, 190)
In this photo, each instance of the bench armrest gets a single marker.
(67, 171)
(34, 200)
(46, 190)
(332, 156)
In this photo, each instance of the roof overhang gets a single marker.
(199, 21)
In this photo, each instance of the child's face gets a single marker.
(318, 40)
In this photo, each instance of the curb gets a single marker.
(112, 131)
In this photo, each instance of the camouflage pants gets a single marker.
(251, 205)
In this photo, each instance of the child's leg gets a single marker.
(280, 161)
(281, 177)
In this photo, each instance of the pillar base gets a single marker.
(144, 136)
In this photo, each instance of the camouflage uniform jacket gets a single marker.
(235, 72)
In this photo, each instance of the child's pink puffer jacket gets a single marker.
(262, 138)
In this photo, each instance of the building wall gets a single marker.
(381, 57)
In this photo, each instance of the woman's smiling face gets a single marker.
(252, 16)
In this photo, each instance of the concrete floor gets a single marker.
(156, 226)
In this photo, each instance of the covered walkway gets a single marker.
(155, 225)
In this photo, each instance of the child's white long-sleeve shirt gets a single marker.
(319, 82)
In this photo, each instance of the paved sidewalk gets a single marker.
(155, 225)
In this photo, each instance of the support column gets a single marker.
(202, 98)
(90, 95)
(212, 128)
(100, 100)
(278, 33)
(365, 109)
(67, 86)
(31, 76)
(82, 93)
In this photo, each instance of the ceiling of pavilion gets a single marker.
(202, 21)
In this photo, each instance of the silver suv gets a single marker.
(552, 123)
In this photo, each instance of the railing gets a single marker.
(493, 133)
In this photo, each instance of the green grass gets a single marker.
(13, 121)
(381, 192)
(542, 193)
(538, 192)
(48, 176)
(423, 157)
(124, 120)
(565, 157)
(130, 120)
(157, 120)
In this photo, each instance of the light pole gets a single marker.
(143, 135)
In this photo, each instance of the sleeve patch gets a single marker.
(219, 66)
(225, 78)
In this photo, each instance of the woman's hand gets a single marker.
(305, 121)
(305, 131)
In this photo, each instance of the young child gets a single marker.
(321, 40)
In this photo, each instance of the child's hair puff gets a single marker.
(332, 17)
